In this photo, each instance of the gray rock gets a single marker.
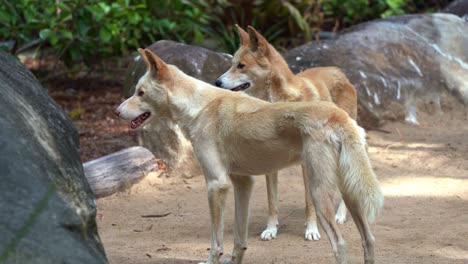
(396, 64)
(198, 62)
(163, 137)
(457, 7)
(47, 210)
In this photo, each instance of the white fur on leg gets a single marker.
(311, 232)
(340, 216)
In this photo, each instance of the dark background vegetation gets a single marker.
(83, 33)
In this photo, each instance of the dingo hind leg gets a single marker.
(362, 224)
(311, 228)
(321, 167)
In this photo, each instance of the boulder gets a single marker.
(47, 209)
(457, 7)
(397, 64)
(162, 137)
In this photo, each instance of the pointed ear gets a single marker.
(257, 42)
(157, 67)
(243, 36)
(143, 55)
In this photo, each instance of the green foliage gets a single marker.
(87, 30)
(348, 12)
(294, 22)
(279, 21)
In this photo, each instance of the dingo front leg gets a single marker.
(272, 190)
(321, 170)
(243, 186)
(217, 190)
(217, 186)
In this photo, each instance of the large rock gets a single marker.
(457, 7)
(47, 210)
(195, 61)
(162, 137)
(396, 64)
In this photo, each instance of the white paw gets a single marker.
(340, 218)
(227, 261)
(269, 233)
(311, 232)
(209, 262)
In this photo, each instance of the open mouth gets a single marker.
(137, 122)
(241, 87)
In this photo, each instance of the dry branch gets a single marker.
(118, 171)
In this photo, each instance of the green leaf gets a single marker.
(97, 13)
(45, 33)
(104, 34)
(67, 34)
(300, 21)
(82, 28)
(53, 39)
(74, 53)
(106, 8)
(134, 19)
(5, 17)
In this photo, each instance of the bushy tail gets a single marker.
(358, 181)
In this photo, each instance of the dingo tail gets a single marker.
(358, 181)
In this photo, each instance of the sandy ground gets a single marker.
(424, 175)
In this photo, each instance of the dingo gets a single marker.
(260, 71)
(235, 136)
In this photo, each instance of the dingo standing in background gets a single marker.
(260, 71)
(234, 135)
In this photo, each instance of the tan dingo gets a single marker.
(235, 136)
(260, 71)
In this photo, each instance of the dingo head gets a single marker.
(251, 65)
(150, 99)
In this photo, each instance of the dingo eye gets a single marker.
(141, 93)
(240, 66)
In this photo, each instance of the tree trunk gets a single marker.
(119, 171)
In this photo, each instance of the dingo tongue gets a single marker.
(241, 87)
(137, 122)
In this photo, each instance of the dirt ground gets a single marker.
(424, 174)
(423, 170)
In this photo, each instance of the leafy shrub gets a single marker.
(290, 23)
(87, 30)
(279, 21)
(345, 13)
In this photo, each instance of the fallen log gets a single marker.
(119, 171)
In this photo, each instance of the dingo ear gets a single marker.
(257, 42)
(156, 66)
(143, 55)
(243, 36)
